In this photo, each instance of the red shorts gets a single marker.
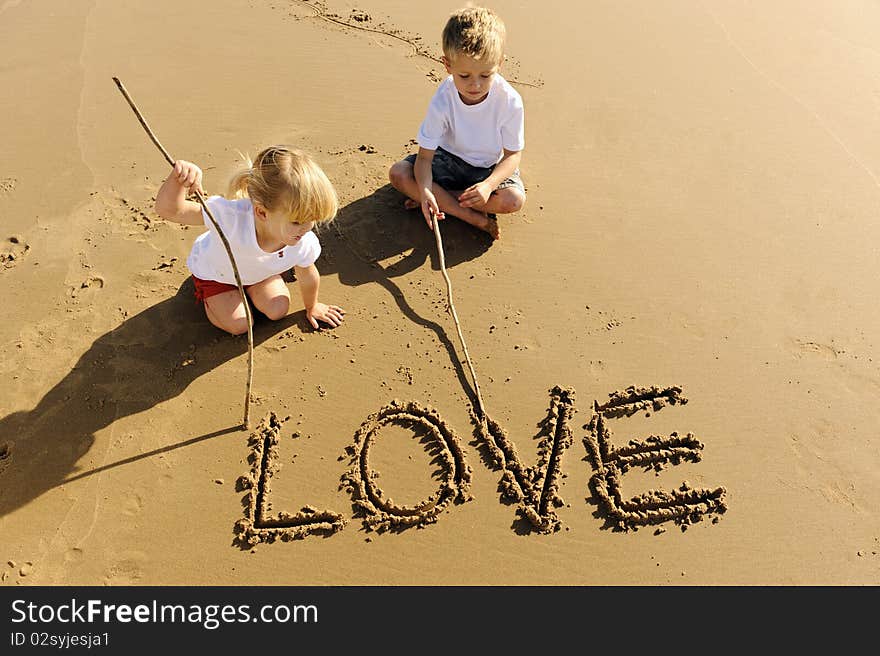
(207, 288)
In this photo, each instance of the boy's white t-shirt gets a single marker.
(476, 133)
(208, 259)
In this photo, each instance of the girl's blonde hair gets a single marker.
(284, 178)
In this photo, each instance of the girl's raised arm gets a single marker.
(171, 202)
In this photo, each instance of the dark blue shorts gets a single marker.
(452, 172)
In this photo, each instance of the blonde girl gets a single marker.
(272, 207)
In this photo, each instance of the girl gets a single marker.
(277, 200)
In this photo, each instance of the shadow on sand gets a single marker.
(155, 355)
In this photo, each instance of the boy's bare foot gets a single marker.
(490, 226)
(410, 204)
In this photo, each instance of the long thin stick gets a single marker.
(455, 314)
(247, 309)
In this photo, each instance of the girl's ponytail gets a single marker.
(238, 184)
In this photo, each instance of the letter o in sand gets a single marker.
(381, 513)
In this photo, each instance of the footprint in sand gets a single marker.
(128, 570)
(90, 283)
(12, 250)
(132, 504)
(805, 348)
(73, 555)
(123, 212)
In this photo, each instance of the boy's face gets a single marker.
(472, 77)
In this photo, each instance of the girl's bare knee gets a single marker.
(277, 308)
(231, 325)
(236, 326)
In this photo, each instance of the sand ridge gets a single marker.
(5, 454)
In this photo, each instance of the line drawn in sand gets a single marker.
(536, 488)
(685, 505)
(257, 525)
(380, 512)
(358, 20)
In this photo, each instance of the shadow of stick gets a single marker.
(149, 358)
(154, 452)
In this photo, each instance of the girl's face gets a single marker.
(472, 77)
(279, 230)
(290, 232)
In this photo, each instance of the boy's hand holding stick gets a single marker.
(436, 225)
(197, 191)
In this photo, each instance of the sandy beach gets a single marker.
(674, 340)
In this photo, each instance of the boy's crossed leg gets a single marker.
(503, 200)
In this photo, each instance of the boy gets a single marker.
(471, 140)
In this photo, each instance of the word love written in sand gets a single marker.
(535, 489)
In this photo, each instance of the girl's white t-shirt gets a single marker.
(208, 259)
(476, 133)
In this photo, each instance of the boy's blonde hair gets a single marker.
(476, 32)
(284, 178)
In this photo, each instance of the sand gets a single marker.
(675, 338)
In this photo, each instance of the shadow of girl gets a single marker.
(155, 355)
(149, 358)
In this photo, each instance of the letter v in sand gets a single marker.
(536, 488)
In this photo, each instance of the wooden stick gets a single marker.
(247, 308)
(454, 314)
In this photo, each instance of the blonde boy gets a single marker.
(472, 137)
